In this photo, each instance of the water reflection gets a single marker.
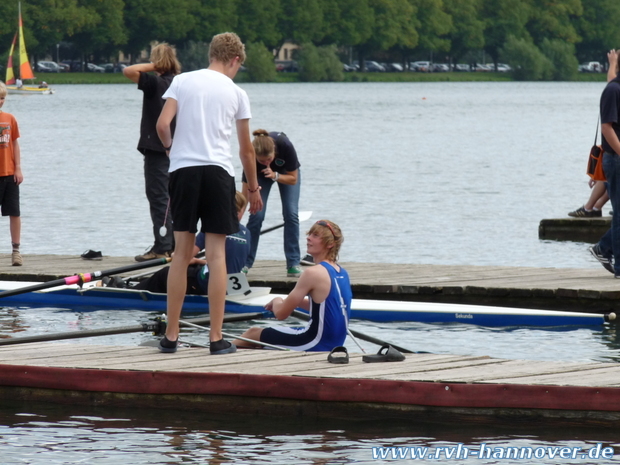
(37, 433)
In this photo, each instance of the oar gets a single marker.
(85, 277)
(303, 216)
(362, 336)
(157, 327)
(264, 344)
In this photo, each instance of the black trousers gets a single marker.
(159, 281)
(156, 166)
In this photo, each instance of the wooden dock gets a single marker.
(436, 387)
(576, 289)
(574, 229)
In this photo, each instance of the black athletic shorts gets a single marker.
(205, 193)
(9, 196)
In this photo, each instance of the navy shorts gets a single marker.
(9, 196)
(205, 193)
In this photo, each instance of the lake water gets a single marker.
(442, 173)
(430, 173)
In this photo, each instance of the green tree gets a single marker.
(393, 25)
(598, 28)
(527, 61)
(433, 26)
(334, 71)
(157, 20)
(47, 22)
(302, 21)
(562, 55)
(258, 21)
(554, 19)
(347, 22)
(504, 18)
(106, 34)
(259, 63)
(467, 31)
(311, 68)
(193, 55)
(212, 17)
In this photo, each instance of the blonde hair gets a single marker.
(240, 201)
(263, 145)
(330, 235)
(225, 47)
(3, 90)
(164, 57)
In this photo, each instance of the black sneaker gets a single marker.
(168, 347)
(222, 347)
(583, 213)
(595, 250)
(92, 255)
(307, 260)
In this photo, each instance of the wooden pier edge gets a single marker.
(315, 397)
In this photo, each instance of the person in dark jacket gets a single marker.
(153, 80)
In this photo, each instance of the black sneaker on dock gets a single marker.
(583, 213)
(595, 250)
(307, 260)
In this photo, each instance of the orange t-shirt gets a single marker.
(9, 132)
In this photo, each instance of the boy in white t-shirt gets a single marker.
(202, 179)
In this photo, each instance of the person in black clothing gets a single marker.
(153, 80)
(607, 250)
(277, 163)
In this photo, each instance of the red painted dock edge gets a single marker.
(414, 393)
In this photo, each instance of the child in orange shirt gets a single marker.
(10, 175)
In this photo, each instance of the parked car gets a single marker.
(462, 67)
(483, 68)
(373, 66)
(74, 65)
(394, 67)
(590, 67)
(64, 68)
(503, 68)
(287, 66)
(47, 67)
(93, 68)
(440, 68)
(348, 68)
(420, 66)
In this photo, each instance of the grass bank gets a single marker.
(118, 78)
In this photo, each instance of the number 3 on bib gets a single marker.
(238, 284)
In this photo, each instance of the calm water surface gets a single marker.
(441, 173)
(446, 173)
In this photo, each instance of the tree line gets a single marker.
(527, 31)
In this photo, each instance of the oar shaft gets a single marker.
(187, 323)
(156, 327)
(84, 277)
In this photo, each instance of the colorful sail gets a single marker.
(25, 71)
(10, 76)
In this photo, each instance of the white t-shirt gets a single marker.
(208, 103)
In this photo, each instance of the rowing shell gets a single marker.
(92, 297)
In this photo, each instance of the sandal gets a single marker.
(338, 355)
(386, 353)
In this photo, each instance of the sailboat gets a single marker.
(25, 71)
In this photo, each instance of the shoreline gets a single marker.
(352, 77)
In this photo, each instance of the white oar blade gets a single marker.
(304, 216)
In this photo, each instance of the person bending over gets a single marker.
(324, 290)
